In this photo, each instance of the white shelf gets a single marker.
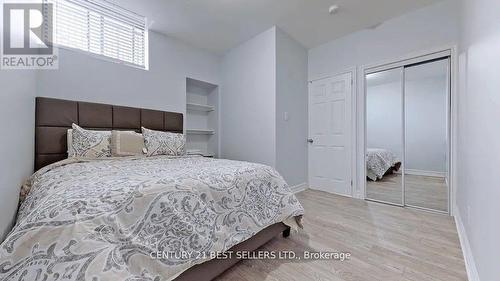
(199, 132)
(202, 118)
(199, 84)
(199, 107)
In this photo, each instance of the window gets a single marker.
(101, 28)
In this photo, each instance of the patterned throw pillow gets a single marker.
(90, 144)
(163, 143)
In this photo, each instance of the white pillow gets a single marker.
(69, 141)
(88, 143)
(163, 143)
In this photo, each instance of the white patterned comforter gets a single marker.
(108, 219)
(378, 161)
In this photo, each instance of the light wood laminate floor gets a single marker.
(386, 243)
(421, 191)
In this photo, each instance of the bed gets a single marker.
(380, 162)
(137, 218)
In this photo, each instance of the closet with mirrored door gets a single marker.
(407, 132)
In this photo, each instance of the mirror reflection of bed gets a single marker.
(384, 182)
(407, 135)
(383, 175)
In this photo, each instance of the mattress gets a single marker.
(139, 218)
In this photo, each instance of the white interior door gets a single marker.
(330, 129)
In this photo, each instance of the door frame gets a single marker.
(453, 117)
(354, 77)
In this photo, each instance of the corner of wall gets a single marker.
(291, 108)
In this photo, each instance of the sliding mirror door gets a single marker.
(426, 135)
(407, 134)
(384, 136)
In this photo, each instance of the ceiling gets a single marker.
(219, 25)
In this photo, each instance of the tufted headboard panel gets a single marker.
(54, 117)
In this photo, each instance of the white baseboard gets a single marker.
(425, 173)
(327, 190)
(358, 195)
(299, 187)
(470, 264)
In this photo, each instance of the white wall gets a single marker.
(248, 100)
(261, 80)
(479, 134)
(428, 28)
(163, 87)
(291, 97)
(17, 112)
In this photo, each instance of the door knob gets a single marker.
(310, 140)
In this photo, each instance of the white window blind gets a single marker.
(101, 28)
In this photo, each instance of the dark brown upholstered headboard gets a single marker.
(54, 117)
